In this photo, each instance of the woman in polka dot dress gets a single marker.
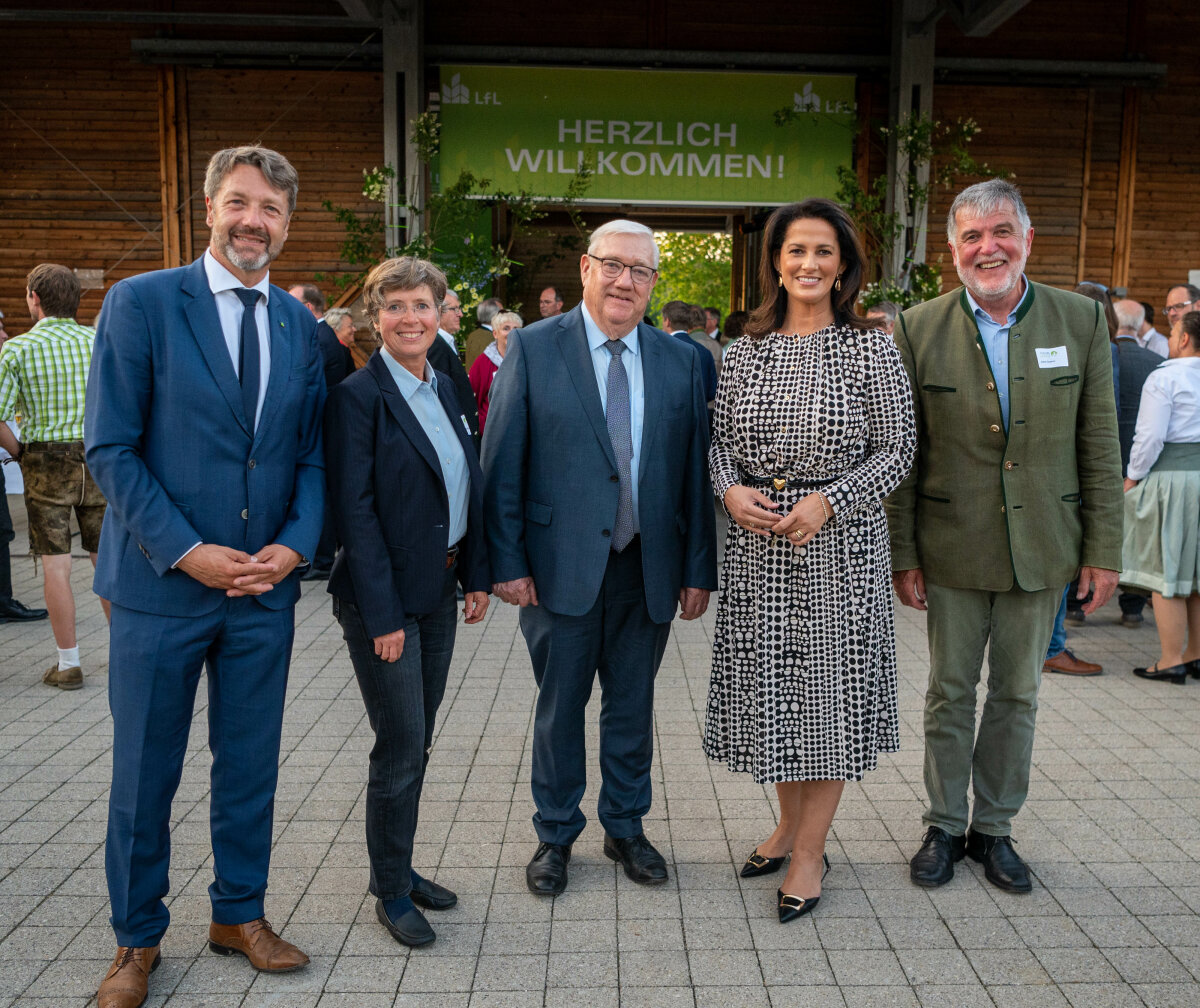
(813, 428)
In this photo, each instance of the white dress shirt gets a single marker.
(229, 310)
(1169, 412)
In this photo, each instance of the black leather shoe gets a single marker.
(409, 928)
(1194, 668)
(315, 574)
(430, 895)
(791, 907)
(546, 874)
(758, 864)
(933, 864)
(637, 856)
(1176, 674)
(13, 611)
(1001, 864)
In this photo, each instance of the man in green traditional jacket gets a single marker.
(1015, 489)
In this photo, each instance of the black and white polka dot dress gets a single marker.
(804, 660)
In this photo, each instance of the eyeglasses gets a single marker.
(397, 310)
(457, 309)
(1172, 308)
(611, 269)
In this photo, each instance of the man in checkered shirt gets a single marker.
(43, 374)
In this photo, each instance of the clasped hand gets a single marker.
(239, 573)
(757, 513)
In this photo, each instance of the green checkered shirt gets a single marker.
(43, 374)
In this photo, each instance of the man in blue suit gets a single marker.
(203, 430)
(600, 523)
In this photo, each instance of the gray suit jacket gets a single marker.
(550, 474)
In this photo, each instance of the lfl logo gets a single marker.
(457, 93)
(808, 100)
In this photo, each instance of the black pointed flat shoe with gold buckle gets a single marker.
(758, 864)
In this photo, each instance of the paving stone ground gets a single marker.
(1111, 831)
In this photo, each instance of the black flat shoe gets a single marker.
(757, 864)
(546, 874)
(1002, 866)
(637, 856)
(411, 928)
(1194, 668)
(1176, 674)
(791, 907)
(430, 895)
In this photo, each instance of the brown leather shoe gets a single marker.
(71, 678)
(258, 943)
(127, 981)
(1068, 664)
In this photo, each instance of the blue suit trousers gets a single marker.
(617, 640)
(154, 669)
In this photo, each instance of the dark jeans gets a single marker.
(402, 699)
(617, 640)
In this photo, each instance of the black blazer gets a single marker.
(446, 361)
(389, 503)
(336, 358)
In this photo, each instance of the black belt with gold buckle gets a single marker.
(451, 556)
(778, 482)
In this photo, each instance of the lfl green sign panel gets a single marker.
(673, 137)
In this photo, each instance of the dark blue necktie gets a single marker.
(620, 431)
(248, 354)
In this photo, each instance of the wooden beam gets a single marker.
(168, 167)
(183, 158)
(1126, 183)
(1085, 187)
(977, 18)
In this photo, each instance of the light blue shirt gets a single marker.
(632, 360)
(438, 425)
(995, 344)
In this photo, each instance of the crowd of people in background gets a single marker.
(1006, 458)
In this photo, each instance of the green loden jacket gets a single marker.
(984, 510)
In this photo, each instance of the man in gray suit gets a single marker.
(599, 523)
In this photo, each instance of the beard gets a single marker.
(991, 285)
(250, 262)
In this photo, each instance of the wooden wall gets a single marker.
(81, 152)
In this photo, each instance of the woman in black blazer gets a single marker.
(406, 494)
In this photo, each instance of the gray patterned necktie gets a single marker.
(621, 432)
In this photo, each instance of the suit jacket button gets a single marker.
(251, 463)
(991, 386)
(605, 532)
(995, 428)
(614, 478)
(246, 511)
(1007, 465)
(1003, 509)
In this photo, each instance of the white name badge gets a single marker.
(1051, 357)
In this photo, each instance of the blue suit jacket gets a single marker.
(550, 474)
(169, 445)
(389, 501)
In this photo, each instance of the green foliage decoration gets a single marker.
(693, 267)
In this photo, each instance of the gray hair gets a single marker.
(1130, 314)
(404, 273)
(276, 169)
(888, 309)
(507, 316)
(985, 198)
(335, 316)
(622, 227)
(488, 309)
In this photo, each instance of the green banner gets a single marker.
(650, 136)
